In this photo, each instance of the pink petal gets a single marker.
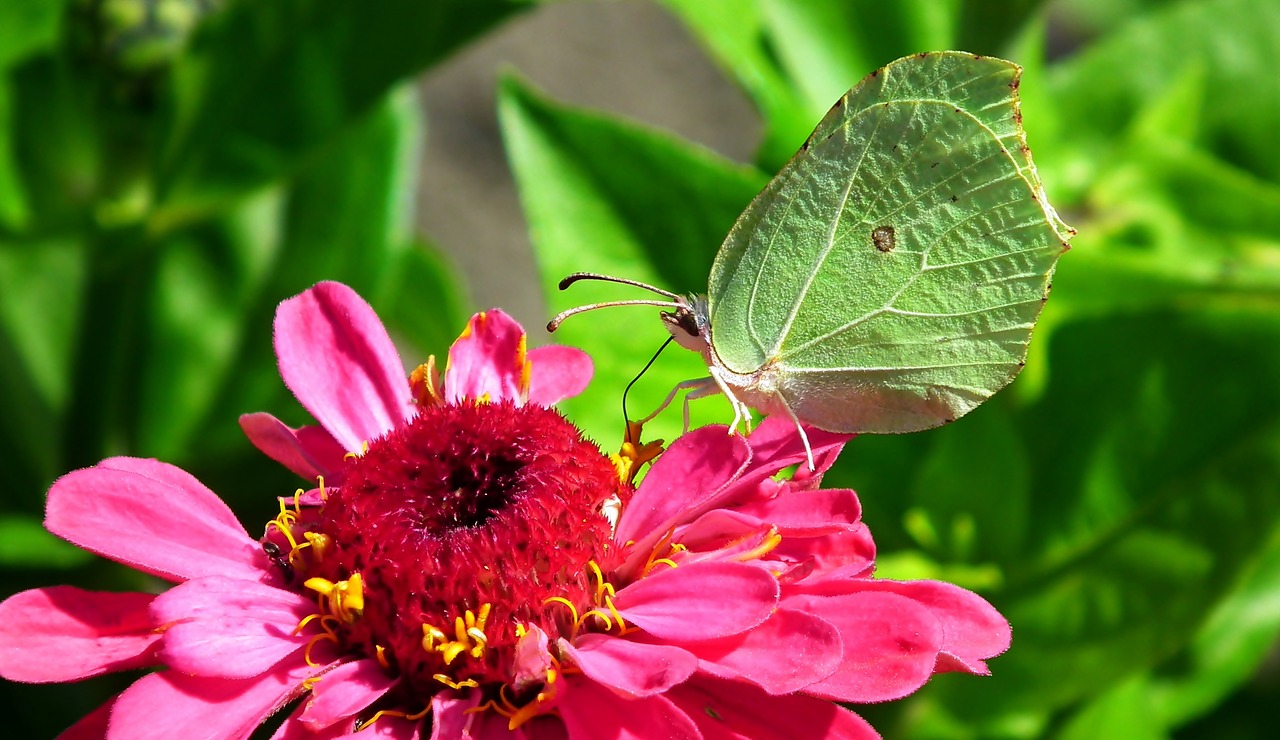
(545, 727)
(63, 633)
(775, 444)
(972, 629)
(630, 667)
(450, 718)
(591, 712)
(488, 360)
(229, 628)
(700, 601)
(788, 652)
(728, 710)
(172, 704)
(307, 451)
(802, 512)
(154, 517)
(344, 691)
(293, 729)
(558, 373)
(92, 726)
(338, 360)
(683, 482)
(852, 551)
(890, 645)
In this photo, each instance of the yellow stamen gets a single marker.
(464, 684)
(344, 599)
(424, 383)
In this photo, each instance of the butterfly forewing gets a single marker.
(892, 272)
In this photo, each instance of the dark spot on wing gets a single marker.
(954, 199)
(883, 238)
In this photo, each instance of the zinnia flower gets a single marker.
(467, 565)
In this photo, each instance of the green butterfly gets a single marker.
(888, 278)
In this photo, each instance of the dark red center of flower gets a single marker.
(467, 505)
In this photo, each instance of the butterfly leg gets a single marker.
(699, 388)
(741, 413)
(808, 451)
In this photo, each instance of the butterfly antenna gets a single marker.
(554, 323)
(575, 277)
(649, 364)
(674, 303)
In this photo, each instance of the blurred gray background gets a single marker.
(628, 58)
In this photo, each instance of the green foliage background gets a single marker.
(171, 169)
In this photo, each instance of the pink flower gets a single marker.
(459, 572)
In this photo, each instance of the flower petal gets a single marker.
(807, 513)
(307, 451)
(154, 517)
(173, 704)
(293, 729)
(558, 373)
(591, 711)
(700, 601)
(344, 691)
(788, 652)
(851, 551)
(890, 645)
(62, 633)
(450, 717)
(229, 628)
(732, 710)
(972, 629)
(683, 483)
(488, 360)
(336, 357)
(634, 668)
(776, 445)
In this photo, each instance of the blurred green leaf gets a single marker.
(1231, 42)
(346, 215)
(25, 544)
(262, 85)
(36, 356)
(606, 196)
(26, 27)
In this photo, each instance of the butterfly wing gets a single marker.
(889, 277)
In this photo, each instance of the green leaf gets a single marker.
(25, 544)
(26, 27)
(1229, 648)
(264, 84)
(346, 216)
(607, 196)
(1233, 44)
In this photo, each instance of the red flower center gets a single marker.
(487, 508)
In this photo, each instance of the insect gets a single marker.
(888, 278)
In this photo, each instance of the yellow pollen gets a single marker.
(344, 599)
(380, 653)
